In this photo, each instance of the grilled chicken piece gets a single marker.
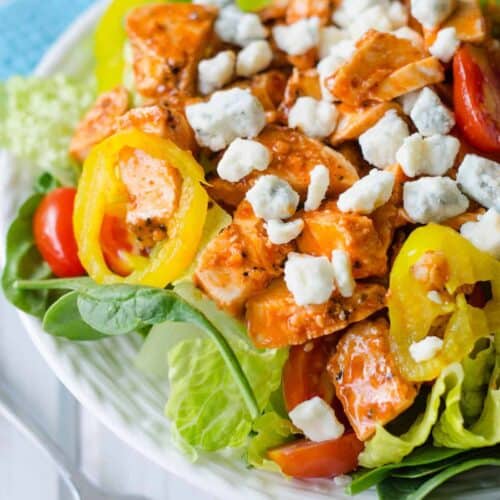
(356, 120)
(304, 62)
(239, 262)
(275, 320)
(432, 270)
(413, 76)
(377, 55)
(154, 189)
(327, 229)
(459, 220)
(301, 9)
(294, 155)
(366, 380)
(300, 84)
(276, 9)
(352, 151)
(467, 19)
(167, 122)
(99, 122)
(168, 41)
(269, 88)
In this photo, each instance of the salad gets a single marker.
(297, 205)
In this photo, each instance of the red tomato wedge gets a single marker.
(305, 459)
(115, 242)
(477, 98)
(305, 375)
(53, 232)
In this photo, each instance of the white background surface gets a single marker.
(25, 474)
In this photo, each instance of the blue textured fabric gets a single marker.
(29, 27)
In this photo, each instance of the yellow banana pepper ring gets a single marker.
(412, 312)
(100, 188)
(109, 42)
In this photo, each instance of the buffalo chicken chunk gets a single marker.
(327, 229)
(168, 122)
(293, 156)
(303, 9)
(99, 122)
(377, 55)
(239, 262)
(366, 380)
(154, 189)
(275, 320)
(168, 41)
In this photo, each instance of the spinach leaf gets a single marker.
(63, 319)
(425, 470)
(22, 258)
(424, 456)
(417, 489)
(46, 182)
(23, 261)
(120, 309)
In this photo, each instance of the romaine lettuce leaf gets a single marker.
(205, 405)
(471, 410)
(451, 429)
(152, 357)
(38, 117)
(271, 430)
(385, 448)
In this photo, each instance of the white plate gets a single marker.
(101, 375)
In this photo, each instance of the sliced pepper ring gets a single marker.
(412, 313)
(109, 42)
(100, 187)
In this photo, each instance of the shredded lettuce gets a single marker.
(471, 396)
(38, 117)
(205, 405)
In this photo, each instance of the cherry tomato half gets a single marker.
(305, 459)
(305, 375)
(115, 243)
(477, 98)
(53, 231)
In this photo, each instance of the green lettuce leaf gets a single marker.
(270, 430)
(451, 430)
(38, 117)
(385, 448)
(205, 405)
(152, 357)
(468, 400)
(228, 325)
